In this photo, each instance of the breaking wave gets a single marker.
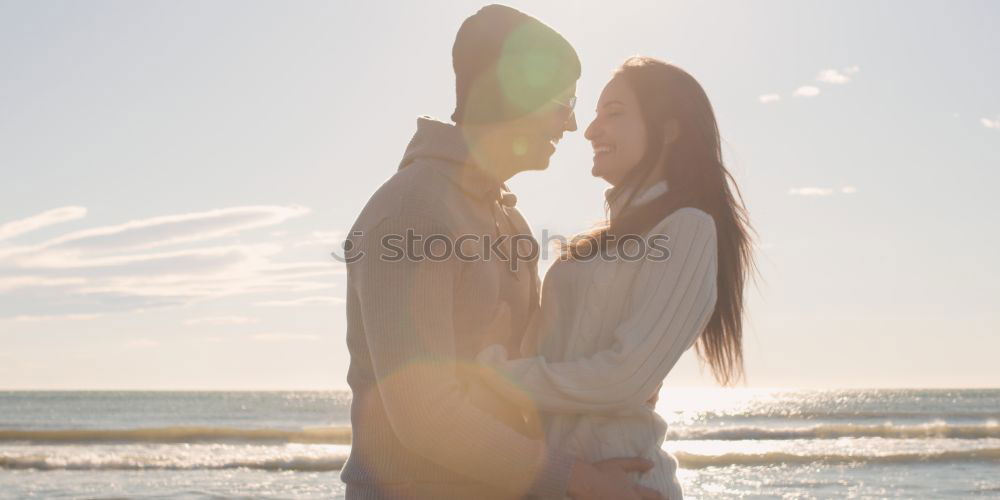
(319, 435)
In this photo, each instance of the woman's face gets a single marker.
(617, 133)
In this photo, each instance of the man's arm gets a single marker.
(407, 308)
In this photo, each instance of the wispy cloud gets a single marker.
(188, 261)
(67, 317)
(807, 91)
(221, 320)
(55, 216)
(122, 267)
(810, 191)
(12, 282)
(143, 343)
(324, 238)
(208, 340)
(768, 98)
(284, 337)
(302, 301)
(173, 229)
(293, 269)
(820, 191)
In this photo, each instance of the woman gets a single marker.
(612, 325)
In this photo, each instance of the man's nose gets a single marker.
(571, 123)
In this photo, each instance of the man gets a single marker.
(431, 259)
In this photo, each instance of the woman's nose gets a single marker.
(593, 131)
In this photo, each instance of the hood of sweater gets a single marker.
(444, 143)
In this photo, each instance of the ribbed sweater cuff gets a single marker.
(554, 477)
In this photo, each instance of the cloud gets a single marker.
(294, 269)
(173, 229)
(221, 320)
(239, 281)
(143, 343)
(208, 340)
(838, 77)
(301, 301)
(807, 91)
(833, 76)
(74, 300)
(821, 191)
(68, 317)
(986, 122)
(121, 268)
(325, 238)
(284, 337)
(193, 261)
(48, 218)
(13, 282)
(810, 191)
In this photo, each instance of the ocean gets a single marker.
(731, 443)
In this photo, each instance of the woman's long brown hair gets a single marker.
(696, 177)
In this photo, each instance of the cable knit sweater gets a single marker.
(607, 334)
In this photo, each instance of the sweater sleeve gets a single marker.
(407, 309)
(669, 306)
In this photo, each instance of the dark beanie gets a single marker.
(508, 64)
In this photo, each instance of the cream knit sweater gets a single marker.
(607, 334)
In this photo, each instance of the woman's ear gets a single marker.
(671, 131)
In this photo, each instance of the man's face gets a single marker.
(534, 137)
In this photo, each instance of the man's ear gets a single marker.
(671, 131)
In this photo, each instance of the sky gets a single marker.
(175, 174)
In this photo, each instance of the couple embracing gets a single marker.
(471, 377)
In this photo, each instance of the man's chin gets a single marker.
(537, 166)
(541, 162)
